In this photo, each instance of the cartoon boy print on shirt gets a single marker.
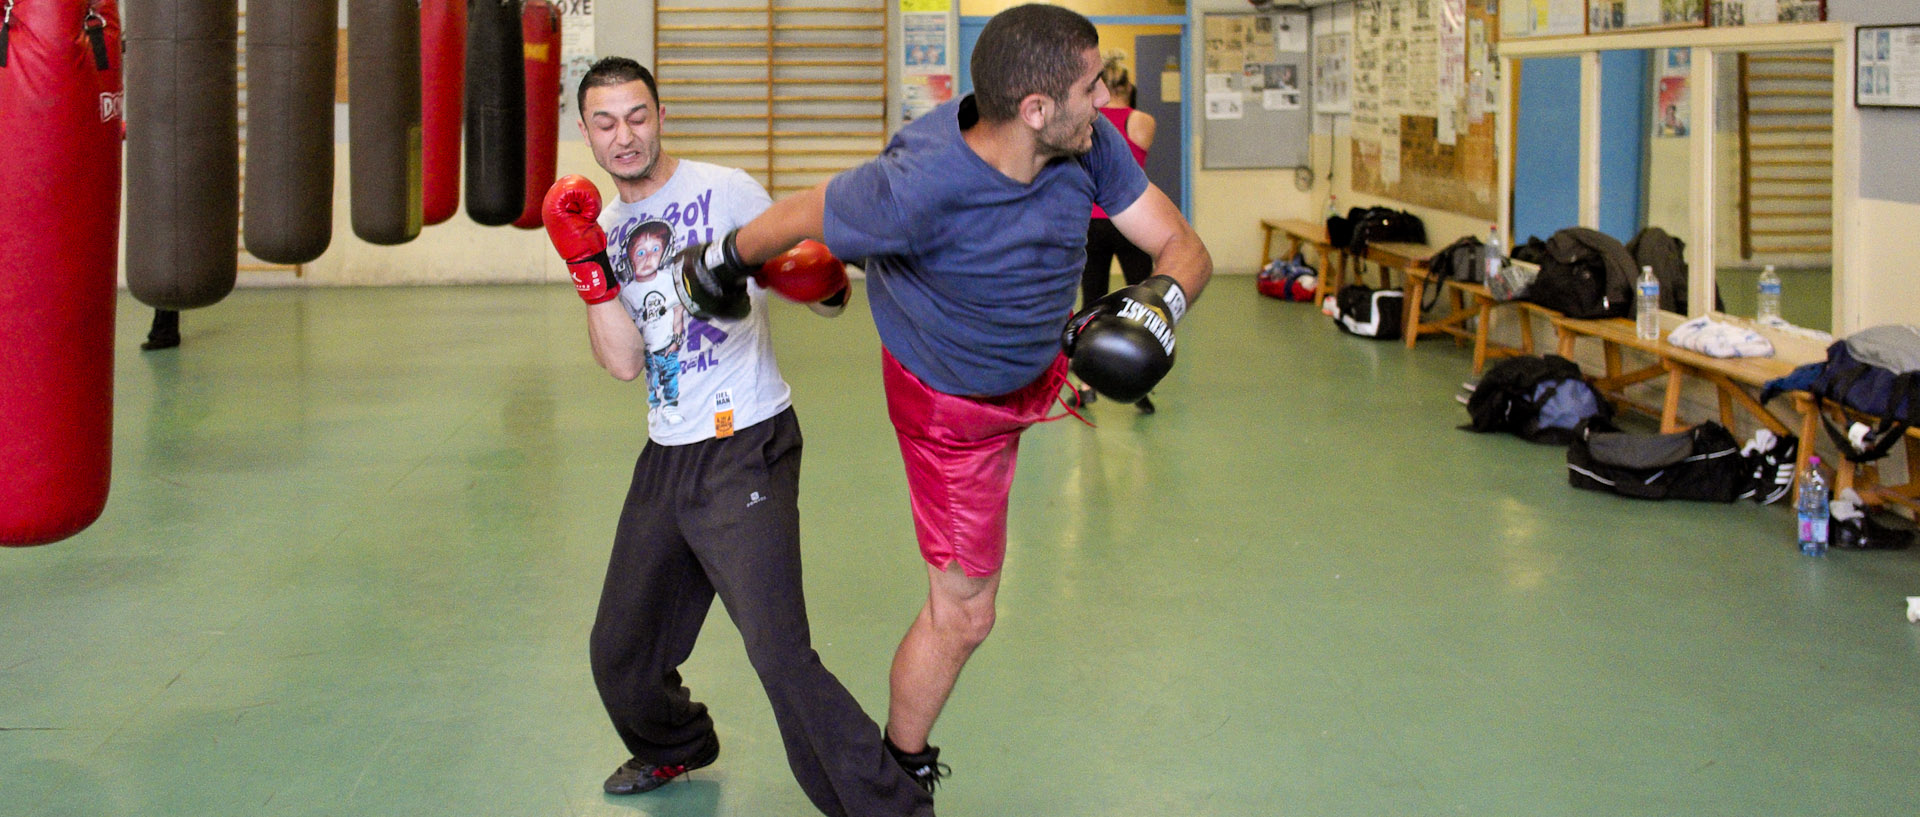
(663, 321)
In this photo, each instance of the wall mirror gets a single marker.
(1724, 138)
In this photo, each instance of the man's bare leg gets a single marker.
(957, 617)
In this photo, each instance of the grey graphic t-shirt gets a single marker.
(704, 378)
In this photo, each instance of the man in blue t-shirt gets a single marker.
(972, 229)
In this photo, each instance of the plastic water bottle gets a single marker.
(1493, 254)
(1769, 303)
(1647, 306)
(1813, 510)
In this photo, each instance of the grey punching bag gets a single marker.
(383, 119)
(183, 151)
(289, 179)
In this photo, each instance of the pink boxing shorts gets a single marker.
(960, 453)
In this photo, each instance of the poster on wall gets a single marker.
(1887, 66)
(1423, 126)
(1763, 12)
(1671, 114)
(926, 68)
(923, 43)
(1544, 18)
(1280, 87)
(1619, 15)
(576, 54)
(1333, 73)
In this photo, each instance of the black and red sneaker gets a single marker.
(637, 776)
(923, 766)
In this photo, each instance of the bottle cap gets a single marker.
(1813, 460)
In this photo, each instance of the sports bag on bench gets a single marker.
(1876, 371)
(1363, 224)
(1463, 260)
(1702, 463)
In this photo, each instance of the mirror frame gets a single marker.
(1706, 44)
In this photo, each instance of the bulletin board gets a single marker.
(1425, 92)
(1255, 101)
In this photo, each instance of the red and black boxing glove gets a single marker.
(571, 212)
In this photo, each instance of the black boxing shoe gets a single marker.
(923, 766)
(638, 777)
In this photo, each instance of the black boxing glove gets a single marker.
(1122, 344)
(712, 280)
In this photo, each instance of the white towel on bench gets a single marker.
(1715, 339)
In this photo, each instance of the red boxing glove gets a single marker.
(806, 274)
(570, 211)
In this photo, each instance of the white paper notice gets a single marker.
(1643, 13)
(1224, 105)
(1290, 31)
(1443, 129)
(1219, 83)
(1280, 99)
(576, 55)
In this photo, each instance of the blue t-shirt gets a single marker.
(970, 274)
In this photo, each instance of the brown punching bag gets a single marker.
(443, 56)
(60, 197)
(383, 119)
(183, 151)
(289, 185)
(540, 29)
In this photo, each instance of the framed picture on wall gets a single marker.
(1886, 66)
(1542, 18)
(1762, 12)
(1623, 15)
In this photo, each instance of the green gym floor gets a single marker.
(356, 536)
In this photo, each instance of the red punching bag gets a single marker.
(443, 56)
(540, 29)
(60, 195)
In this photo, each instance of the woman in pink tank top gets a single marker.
(1104, 241)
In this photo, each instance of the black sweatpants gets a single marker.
(1104, 243)
(722, 516)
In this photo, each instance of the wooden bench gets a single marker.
(1863, 478)
(1732, 378)
(1480, 314)
(1388, 257)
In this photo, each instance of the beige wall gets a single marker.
(1884, 289)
